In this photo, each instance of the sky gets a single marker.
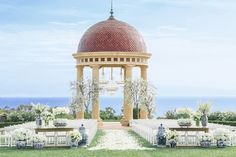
(192, 42)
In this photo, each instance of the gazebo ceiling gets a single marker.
(112, 35)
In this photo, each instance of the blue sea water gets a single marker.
(163, 103)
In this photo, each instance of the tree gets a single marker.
(148, 101)
(139, 92)
(83, 93)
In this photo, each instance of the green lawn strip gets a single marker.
(82, 152)
(97, 137)
(143, 142)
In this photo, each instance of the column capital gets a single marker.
(79, 66)
(143, 66)
(94, 66)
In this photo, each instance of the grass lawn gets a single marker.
(83, 152)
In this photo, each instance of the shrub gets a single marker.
(231, 123)
(171, 114)
(222, 116)
(184, 113)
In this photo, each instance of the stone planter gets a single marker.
(38, 145)
(39, 122)
(204, 120)
(21, 144)
(173, 144)
(205, 144)
(220, 143)
(60, 123)
(74, 144)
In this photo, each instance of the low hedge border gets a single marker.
(4, 124)
(231, 123)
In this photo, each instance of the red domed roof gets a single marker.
(112, 35)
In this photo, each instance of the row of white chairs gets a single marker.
(148, 130)
(53, 138)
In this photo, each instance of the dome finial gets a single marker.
(111, 12)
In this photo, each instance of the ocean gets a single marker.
(163, 103)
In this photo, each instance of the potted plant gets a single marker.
(197, 118)
(172, 138)
(222, 136)
(205, 140)
(47, 117)
(75, 138)
(39, 109)
(21, 136)
(38, 141)
(60, 114)
(204, 109)
(184, 122)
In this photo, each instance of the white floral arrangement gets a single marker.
(204, 108)
(39, 108)
(206, 137)
(22, 134)
(60, 122)
(184, 112)
(221, 134)
(184, 122)
(75, 136)
(60, 111)
(172, 136)
(47, 116)
(38, 138)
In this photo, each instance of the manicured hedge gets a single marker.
(4, 124)
(231, 123)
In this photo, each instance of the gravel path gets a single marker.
(117, 140)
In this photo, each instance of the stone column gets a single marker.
(143, 110)
(95, 103)
(80, 74)
(128, 109)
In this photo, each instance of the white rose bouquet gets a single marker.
(60, 112)
(21, 134)
(38, 139)
(75, 136)
(39, 108)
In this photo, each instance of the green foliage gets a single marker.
(231, 123)
(15, 117)
(222, 116)
(136, 112)
(4, 124)
(88, 115)
(171, 114)
(109, 114)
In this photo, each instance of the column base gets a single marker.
(125, 122)
(99, 123)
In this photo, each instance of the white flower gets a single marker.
(60, 110)
(47, 116)
(39, 108)
(206, 137)
(221, 134)
(38, 139)
(75, 135)
(172, 135)
(184, 122)
(22, 134)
